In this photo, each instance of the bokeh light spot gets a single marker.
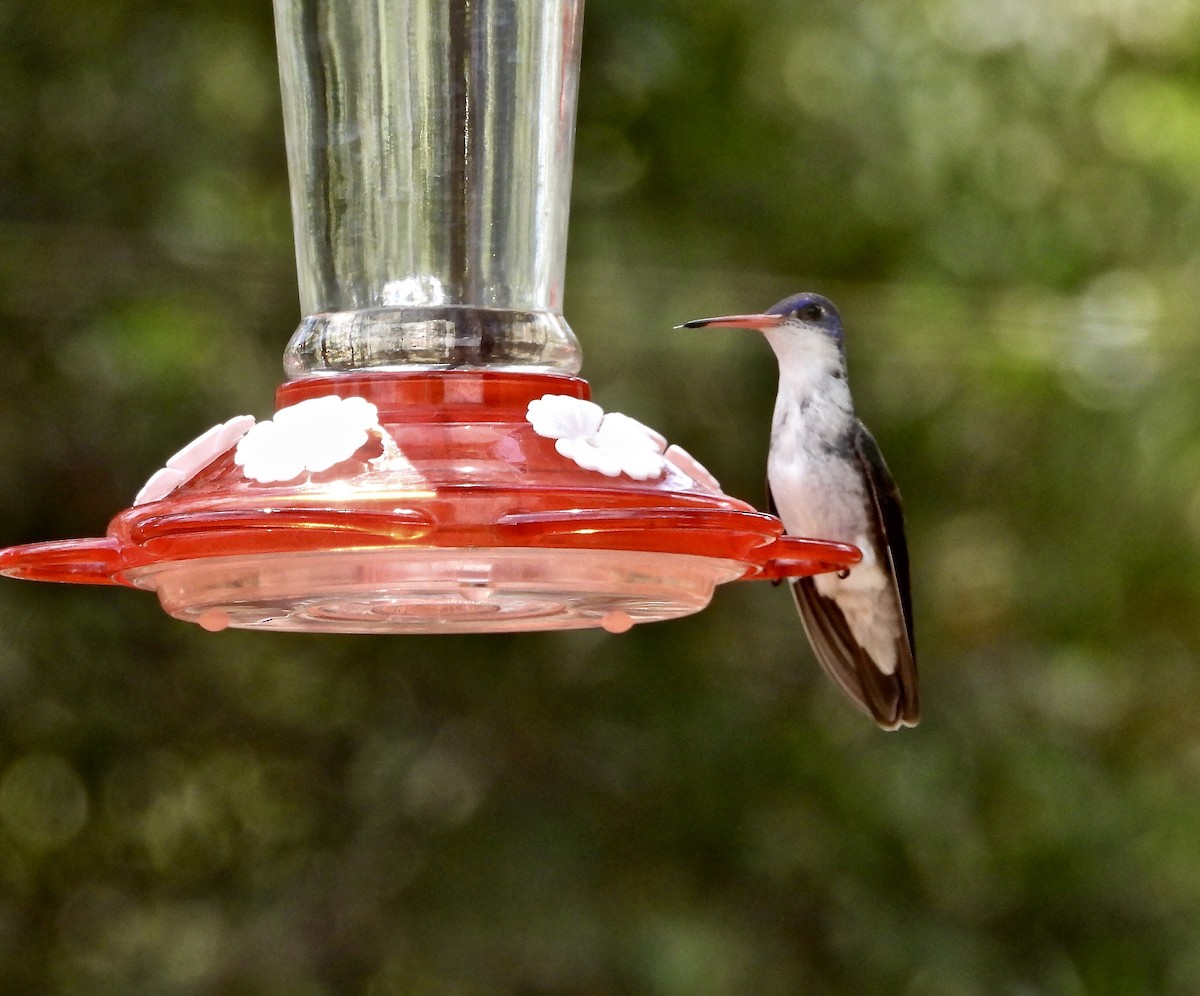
(43, 802)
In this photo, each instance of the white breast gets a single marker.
(820, 493)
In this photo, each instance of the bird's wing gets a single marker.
(890, 699)
(889, 523)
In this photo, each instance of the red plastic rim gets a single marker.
(462, 471)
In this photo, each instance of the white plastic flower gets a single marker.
(309, 437)
(616, 426)
(559, 416)
(611, 444)
(193, 458)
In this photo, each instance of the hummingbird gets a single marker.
(826, 478)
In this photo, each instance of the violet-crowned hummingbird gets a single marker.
(826, 478)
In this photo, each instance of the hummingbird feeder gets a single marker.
(434, 464)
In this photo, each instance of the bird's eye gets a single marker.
(811, 312)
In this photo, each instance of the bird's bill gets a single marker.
(735, 322)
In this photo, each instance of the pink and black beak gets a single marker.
(765, 321)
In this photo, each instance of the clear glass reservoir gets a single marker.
(429, 151)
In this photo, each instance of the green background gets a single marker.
(1005, 201)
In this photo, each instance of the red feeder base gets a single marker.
(454, 516)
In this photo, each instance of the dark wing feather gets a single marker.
(890, 699)
(889, 522)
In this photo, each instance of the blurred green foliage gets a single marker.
(1005, 199)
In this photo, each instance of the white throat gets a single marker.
(812, 369)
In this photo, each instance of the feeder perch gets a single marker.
(433, 464)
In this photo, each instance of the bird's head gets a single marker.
(803, 328)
